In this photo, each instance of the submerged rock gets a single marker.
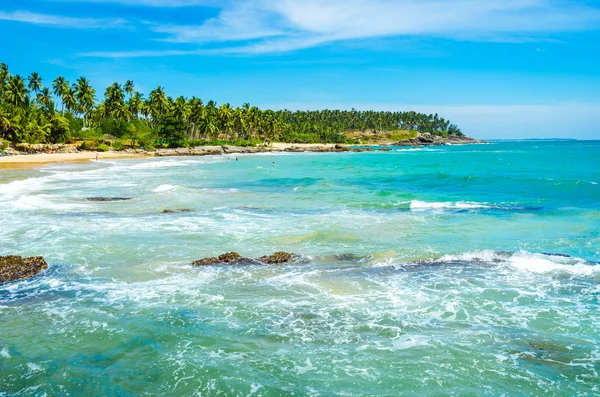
(108, 198)
(233, 258)
(277, 257)
(175, 211)
(16, 268)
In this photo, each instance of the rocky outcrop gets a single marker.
(175, 211)
(233, 258)
(26, 148)
(277, 257)
(108, 198)
(229, 257)
(428, 139)
(14, 268)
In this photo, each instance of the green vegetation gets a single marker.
(33, 113)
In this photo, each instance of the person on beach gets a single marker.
(96, 156)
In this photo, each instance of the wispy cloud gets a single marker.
(62, 21)
(268, 26)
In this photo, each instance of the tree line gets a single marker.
(33, 112)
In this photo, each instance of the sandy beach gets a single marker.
(33, 160)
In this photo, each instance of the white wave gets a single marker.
(417, 205)
(542, 263)
(43, 202)
(150, 165)
(24, 186)
(531, 262)
(484, 256)
(163, 188)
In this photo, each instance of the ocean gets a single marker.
(455, 270)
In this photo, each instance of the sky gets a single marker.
(497, 68)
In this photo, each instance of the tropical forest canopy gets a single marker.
(35, 111)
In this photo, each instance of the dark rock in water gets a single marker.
(553, 254)
(167, 211)
(277, 257)
(16, 268)
(206, 261)
(233, 258)
(348, 257)
(108, 198)
(229, 257)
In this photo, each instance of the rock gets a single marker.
(183, 151)
(233, 258)
(108, 198)
(168, 211)
(229, 257)
(277, 257)
(214, 149)
(232, 149)
(167, 152)
(17, 268)
(427, 139)
(206, 261)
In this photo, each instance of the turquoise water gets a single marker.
(425, 272)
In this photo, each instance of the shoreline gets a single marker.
(23, 161)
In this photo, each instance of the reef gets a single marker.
(108, 198)
(233, 258)
(14, 268)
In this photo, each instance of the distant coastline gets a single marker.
(36, 111)
(42, 154)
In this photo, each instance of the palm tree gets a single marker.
(44, 99)
(121, 112)
(3, 76)
(196, 116)
(16, 92)
(158, 103)
(85, 96)
(129, 87)
(225, 119)
(181, 109)
(35, 82)
(61, 88)
(69, 101)
(135, 104)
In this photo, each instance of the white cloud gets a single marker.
(62, 21)
(299, 24)
(268, 26)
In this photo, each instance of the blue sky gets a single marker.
(497, 68)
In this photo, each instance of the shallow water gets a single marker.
(434, 271)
